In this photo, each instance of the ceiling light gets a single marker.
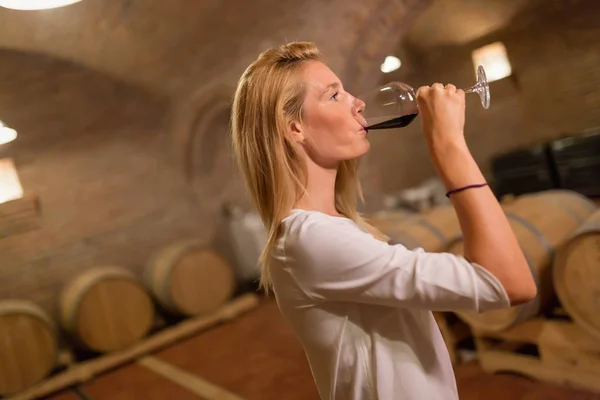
(390, 64)
(35, 4)
(494, 60)
(7, 134)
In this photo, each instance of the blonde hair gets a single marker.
(269, 95)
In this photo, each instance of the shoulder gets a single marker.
(310, 234)
(307, 225)
(306, 218)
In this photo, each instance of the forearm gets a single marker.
(488, 237)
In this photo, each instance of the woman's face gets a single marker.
(333, 125)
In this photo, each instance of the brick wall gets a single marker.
(96, 152)
(554, 91)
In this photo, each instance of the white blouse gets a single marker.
(362, 308)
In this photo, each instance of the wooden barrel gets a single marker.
(575, 204)
(189, 278)
(106, 309)
(28, 345)
(576, 275)
(541, 222)
(433, 230)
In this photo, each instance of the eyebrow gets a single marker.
(334, 85)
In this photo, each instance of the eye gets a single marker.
(335, 96)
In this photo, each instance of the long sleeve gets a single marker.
(332, 259)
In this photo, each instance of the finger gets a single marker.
(451, 88)
(422, 91)
(437, 86)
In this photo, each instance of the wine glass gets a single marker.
(394, 105)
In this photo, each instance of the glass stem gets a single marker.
(476, 88)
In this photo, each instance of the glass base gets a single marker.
(482, 88)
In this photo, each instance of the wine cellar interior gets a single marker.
(129, 246)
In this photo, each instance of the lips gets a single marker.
(363, 124)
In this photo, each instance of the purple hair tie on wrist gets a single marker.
(465, 188)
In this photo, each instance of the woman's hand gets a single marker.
(442, 112)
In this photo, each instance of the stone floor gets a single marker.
(257, 358)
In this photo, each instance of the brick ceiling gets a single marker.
(175, 47)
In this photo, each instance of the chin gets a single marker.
(362, 149)
(366, 146)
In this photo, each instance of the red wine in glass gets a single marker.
(399, 122)
(394, 105)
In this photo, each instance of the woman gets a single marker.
(360, 306)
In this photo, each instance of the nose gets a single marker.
(359, 106)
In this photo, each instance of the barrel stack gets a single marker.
(559, 234)
(108, 315)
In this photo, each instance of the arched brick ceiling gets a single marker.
(175, 47)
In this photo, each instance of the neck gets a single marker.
(321, 189)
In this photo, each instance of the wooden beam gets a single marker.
(191, 382)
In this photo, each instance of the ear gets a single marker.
(295, 132)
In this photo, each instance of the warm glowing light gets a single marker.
(10, 186)
(390, 64)
(7, 134)
(494, 60)
(35, 4)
